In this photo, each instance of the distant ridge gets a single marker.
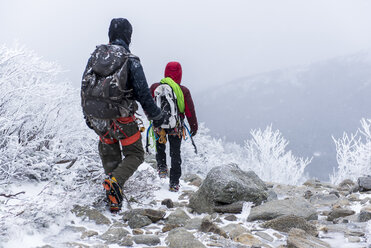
(307, 103)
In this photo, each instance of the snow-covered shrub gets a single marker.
(267, 156)
(211, 152)
(353, 154)
(43, 137)
(264, 153)
(40, 118)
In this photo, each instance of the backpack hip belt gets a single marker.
(126, 120)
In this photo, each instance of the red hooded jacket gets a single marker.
(174, 71)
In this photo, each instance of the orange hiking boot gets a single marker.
(114, 193)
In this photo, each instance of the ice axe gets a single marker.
(193, 143)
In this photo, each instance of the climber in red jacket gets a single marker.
(174, 71)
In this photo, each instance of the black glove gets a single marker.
(193, 132)
(159, 121)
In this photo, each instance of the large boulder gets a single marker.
(153, 215)
(364, 183)
(249, 240)
(323, 199)
(234, 230)
(114, 235)
(365, 214)
(339, 212)
(286, 223)
(293, 206)
(225, 185)
(235, 208)
(208, 226)
(147, 239)
(138, 221)
(179, 237)
(346, 185)
(178, 217)
(300, 239)
(194, 223)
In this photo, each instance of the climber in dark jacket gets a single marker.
(123, 130)
(174, 71)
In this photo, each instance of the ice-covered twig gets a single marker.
(12, 195)
(73, 161)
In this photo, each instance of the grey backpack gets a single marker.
(104, 94)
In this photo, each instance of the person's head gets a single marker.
(120, 28)
(174, 71)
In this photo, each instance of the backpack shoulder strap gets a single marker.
(177, 91)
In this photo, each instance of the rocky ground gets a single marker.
(229, 208)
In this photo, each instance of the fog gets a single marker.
(224, 44)
(216, 41)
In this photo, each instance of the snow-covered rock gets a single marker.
(286, 223)
(293, 206)
(225, 185)
(300, 239)
(364, 183)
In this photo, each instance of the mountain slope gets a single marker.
(308, 104)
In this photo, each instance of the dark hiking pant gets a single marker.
(176, 160)
(111, 152)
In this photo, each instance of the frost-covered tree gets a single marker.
(353, 154)
(40, 118)
(211, 152)
(265, 153)
(43, 137)
(267, 156)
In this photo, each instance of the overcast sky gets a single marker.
(215, 41)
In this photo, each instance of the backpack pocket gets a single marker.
(101, 109)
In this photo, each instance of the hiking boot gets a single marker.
(174, 187)
(162, 173)
(114, 193)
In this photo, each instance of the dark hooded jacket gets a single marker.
(119, 33)
(174, 71)
(137, 81)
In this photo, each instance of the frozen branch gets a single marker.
(12, 195)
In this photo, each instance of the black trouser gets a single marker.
(175, 170)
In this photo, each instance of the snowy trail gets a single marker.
(41, 215)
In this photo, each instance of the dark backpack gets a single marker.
(104, 94)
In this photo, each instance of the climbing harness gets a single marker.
(128, 140)
(140, 124)
(151, 134)
(161, 138)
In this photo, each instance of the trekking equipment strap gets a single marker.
(177, 91)
(126, 120)
(107, 141)
(130, 140)
(151, 135)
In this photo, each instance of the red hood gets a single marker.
(174, 71)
